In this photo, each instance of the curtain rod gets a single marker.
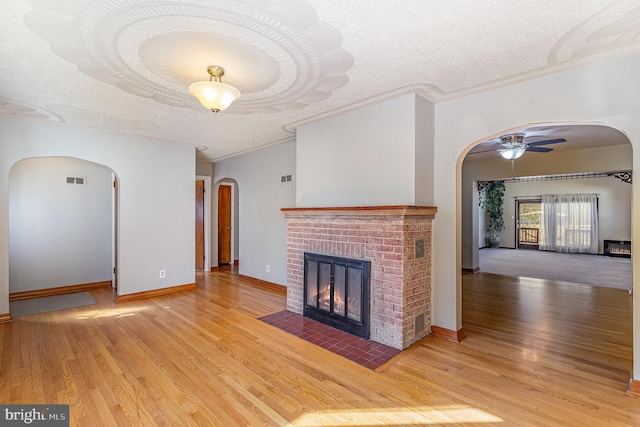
(540, 196)
(623, 175)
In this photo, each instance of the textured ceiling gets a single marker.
(124, 66)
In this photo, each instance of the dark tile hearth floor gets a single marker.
(369, 354)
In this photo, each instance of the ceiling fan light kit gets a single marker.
(213, 94)
(513, 146)
(512, 153)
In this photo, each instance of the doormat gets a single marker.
(52, 303)
(369, 354)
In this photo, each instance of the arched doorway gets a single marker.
(62, 224)
(227, 222)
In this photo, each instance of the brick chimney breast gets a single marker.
(396, 239)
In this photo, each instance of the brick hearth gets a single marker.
(397, 241)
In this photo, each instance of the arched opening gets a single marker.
(62, 226)
(573, 158)
(552, 308)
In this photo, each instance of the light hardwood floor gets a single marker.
(535, 353)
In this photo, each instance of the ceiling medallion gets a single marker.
(13, 108)
(178, 58)
(111, 41)
(617, 29)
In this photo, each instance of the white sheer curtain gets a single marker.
(569, 223)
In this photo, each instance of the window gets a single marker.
(569, 223)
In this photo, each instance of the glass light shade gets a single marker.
(215, 96)
(512, 153)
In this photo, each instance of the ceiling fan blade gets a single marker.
(547, 142)
(480, 152)
(539, 149)
(492, 147)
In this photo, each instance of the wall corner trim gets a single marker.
(5, 318)
(447, 334)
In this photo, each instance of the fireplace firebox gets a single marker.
(336, 292)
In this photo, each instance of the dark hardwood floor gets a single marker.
(536, 353)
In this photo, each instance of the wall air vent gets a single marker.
(286, 179)
(77, 180)
(419, 248)
(419, 324)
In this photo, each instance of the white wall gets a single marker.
(367, 157)
(603, 92)
(424, 141)
(59, 234)
(262, 227)
(614, 204)
(204, 168)
(157, 209)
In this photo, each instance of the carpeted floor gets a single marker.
(53, 303)
(597, 270)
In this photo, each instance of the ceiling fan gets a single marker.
(512, 146)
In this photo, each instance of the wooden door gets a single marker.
(199, 225)
(224, 224)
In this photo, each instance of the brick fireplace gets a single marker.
(397, 242)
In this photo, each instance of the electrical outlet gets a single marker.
(163, 274)
(268, 268)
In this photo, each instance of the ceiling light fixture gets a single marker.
(513, 146)
(213, 94)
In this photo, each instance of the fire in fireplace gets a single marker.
(336, 292)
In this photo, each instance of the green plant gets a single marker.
(492, 200)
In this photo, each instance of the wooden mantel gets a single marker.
(401, 210)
